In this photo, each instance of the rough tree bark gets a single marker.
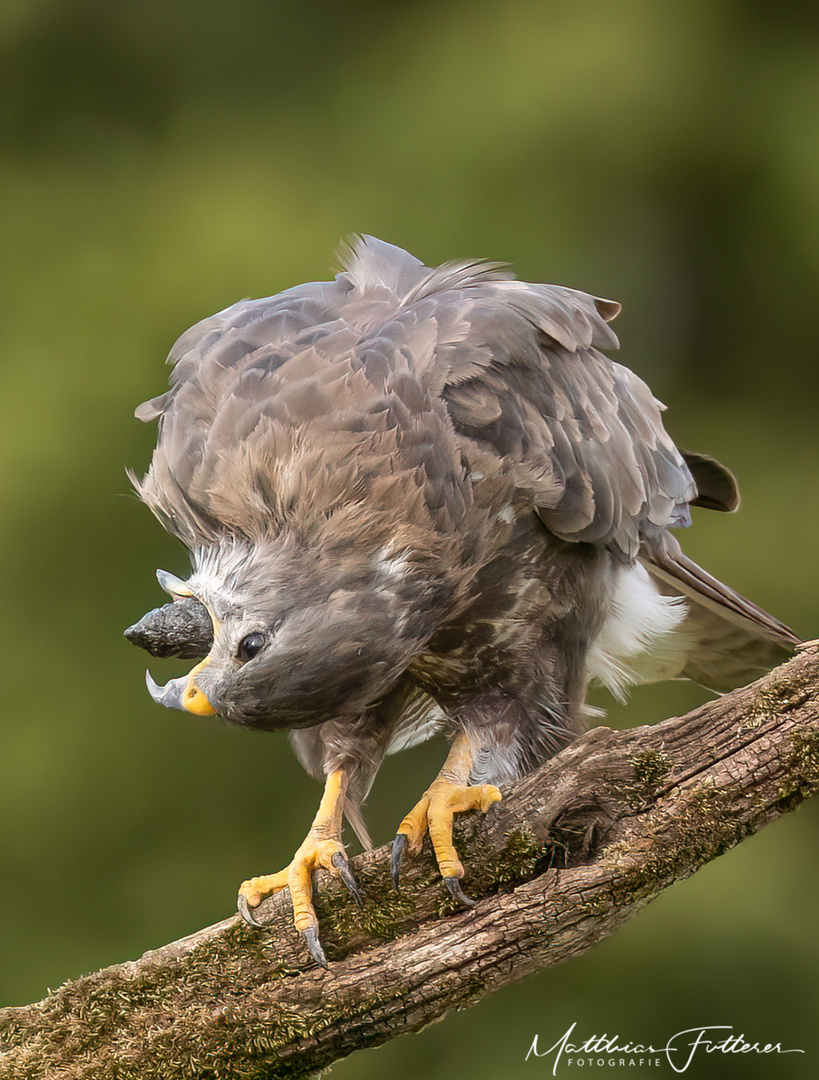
(572, 853)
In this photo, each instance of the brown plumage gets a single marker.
(424, 499)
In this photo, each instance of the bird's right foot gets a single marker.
(321, 848)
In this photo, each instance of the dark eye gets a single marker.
(250, 646)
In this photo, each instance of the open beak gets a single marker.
(181, 693)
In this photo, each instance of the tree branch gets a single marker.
(574, 851)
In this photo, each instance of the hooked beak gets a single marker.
(181, 693)
(173, 585)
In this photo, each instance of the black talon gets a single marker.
(399, 846)
(244, 911)
(453, 884)
(339, 861)
(311, 940)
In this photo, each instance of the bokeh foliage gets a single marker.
(163, 158)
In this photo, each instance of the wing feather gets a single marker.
(529, 383)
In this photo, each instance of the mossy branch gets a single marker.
(571, 853)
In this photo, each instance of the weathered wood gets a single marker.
(572, 853)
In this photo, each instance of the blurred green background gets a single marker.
(161, 159)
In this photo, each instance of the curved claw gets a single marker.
(339, 861)
(453, 885)
(245, 912)
(399, 846)
(311, 940)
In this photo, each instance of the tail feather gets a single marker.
(729, 639)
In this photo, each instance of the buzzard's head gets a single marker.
(301, 636)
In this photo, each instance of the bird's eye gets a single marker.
(250, 646)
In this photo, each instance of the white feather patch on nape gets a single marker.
(640, 639)
(214, 566)
(218, 571)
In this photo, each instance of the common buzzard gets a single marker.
(424, 500)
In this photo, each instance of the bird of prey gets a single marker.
(422, 500)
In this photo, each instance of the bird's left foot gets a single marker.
(434, 813)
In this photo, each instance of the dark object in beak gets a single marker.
(182, 628)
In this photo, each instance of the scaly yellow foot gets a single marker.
(447, 795)
(321, 848)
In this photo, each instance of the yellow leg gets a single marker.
(322, 847)
(448, 794)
